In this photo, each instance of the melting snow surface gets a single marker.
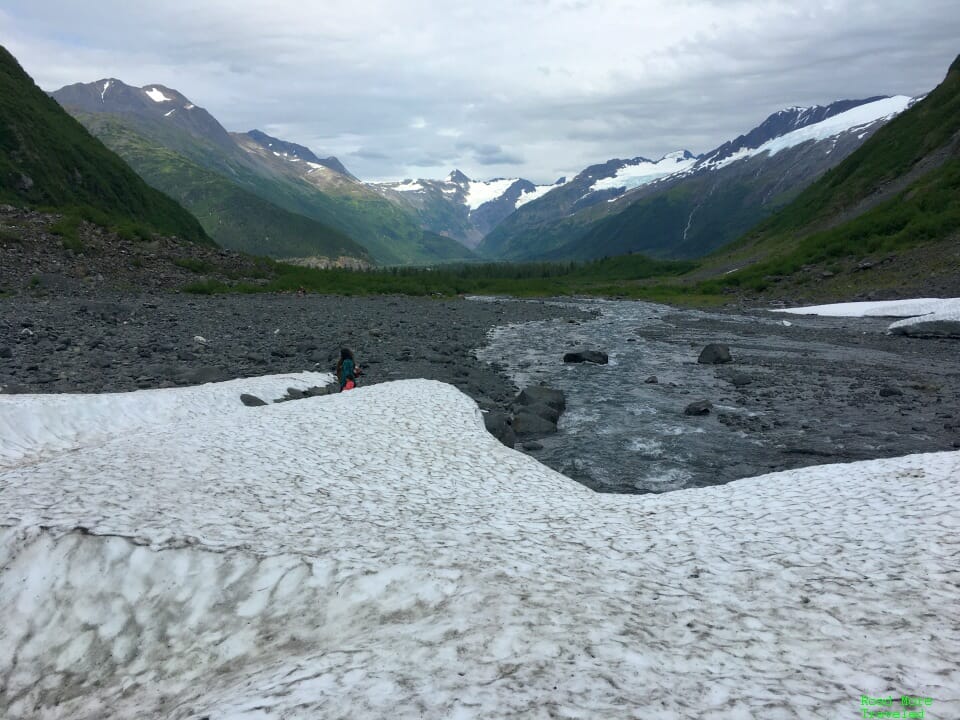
(175, 554)
(880, 308)
(916, 311)
(106, 86)
(157, 96)
(643, 173)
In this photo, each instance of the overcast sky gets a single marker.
(497, 88)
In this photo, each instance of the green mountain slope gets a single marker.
(897, 194)
(175, 124)
(236, 218)
(48, 159)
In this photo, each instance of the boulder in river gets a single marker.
(498, 425)
(592, 356)
(714, 354)
(528, 424)
(701, 407)
(536, 411)
(542, 395)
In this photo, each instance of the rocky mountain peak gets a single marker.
(457, 177)
(785, 121)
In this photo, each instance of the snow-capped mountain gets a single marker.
(153, 102)
(832, 122)
(297, 153)
(684, 205)
(182, 150)
(460, 207)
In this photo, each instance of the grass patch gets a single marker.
(623, 277)
(201, 267)
(9, 236)
(67, 228)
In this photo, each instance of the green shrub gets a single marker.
(201, 267)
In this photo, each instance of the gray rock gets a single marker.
(714, 354)
(527, 424)
(890, 391)
(701, 407)
(251, 400)
(534, 445)
(740, 379)
(591, 356)
(202, 375)
(542, 395)
(6, 352)
(498, 425)
(652, 380)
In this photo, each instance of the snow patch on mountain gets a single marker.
(642, 171)
(480, 192)
(157, 96)
(409, 186)
(852, 120)
(539, 191)
(106, 86)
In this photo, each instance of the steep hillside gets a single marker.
(683, 206)
(234, 217)
(48, 159)
(892, 207)
(168, 120)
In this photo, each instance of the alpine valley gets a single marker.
(251, 192)
(685, 206)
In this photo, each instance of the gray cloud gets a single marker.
(538, 89)
(365, 154)
(488, 154)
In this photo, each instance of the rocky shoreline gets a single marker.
(122, 342)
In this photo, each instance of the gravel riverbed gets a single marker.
(122, 342)
(804, 392)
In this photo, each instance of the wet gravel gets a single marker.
(122, 341)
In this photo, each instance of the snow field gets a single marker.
(915, 312)
(175, 554)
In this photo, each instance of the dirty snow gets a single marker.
(915, 312)
(175, 554)
(880, 308)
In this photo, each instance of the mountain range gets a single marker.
(251, 192)
(267, 195)
(461, 208)
(685, 206)
(890, 212)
